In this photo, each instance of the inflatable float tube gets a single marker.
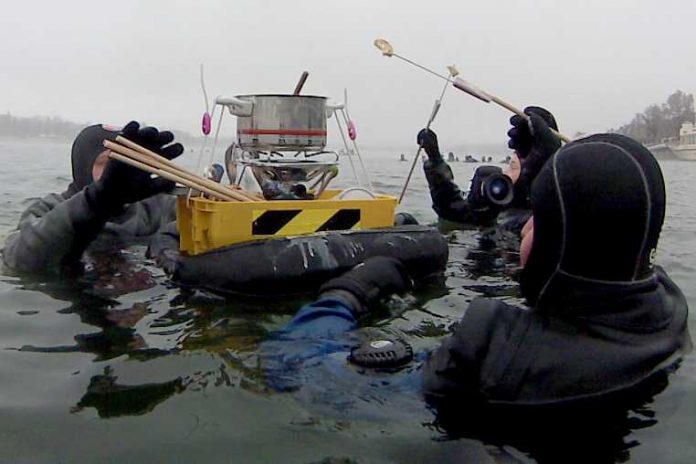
(299, 265)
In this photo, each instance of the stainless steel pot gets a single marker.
(279, 122)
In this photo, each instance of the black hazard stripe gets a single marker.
(344, 219)
(271, 222)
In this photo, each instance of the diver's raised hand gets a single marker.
(153, 139)
(521, 136)
(121, 184)
(428, 140)
(544, 144)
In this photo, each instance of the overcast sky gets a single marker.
(592, 63)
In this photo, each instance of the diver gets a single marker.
(108, 205)
(108, 208)
(532, 148)
(602, 320)
(603, 316)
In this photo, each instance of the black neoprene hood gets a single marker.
(598, 206)
(85, 149)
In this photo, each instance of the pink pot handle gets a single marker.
(205, 123)
(352, 133)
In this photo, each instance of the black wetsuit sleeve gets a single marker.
(449, 202)
(453, 370)
(487, 356)
(52, 235)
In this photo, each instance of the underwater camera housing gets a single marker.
(491, 187)
(497, 189)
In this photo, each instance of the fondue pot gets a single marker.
(278, 122)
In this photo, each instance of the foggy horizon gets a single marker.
(594, 65)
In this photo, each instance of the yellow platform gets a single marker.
(206, 224)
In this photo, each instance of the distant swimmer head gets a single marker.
(85, 150)
(598, 206)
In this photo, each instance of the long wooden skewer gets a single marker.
(388, 50)
(174, 166)
(156, 161)
(486, 97)
(192, 179)
(168, 175)
(177, 168)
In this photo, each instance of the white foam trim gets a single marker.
(648, 214)
(557, 185)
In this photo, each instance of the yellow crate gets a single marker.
(205, 224)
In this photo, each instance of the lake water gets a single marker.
(145, 373)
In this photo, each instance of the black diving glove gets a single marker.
(367, 283)
(521, 137)
(544, 144)
(428, 140)
(121, 184)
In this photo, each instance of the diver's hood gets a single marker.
(598, 206)
(85, 149)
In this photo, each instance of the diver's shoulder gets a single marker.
(158, 206)
(40, 206)
(487, 315)
(49, 199)
(666, 282)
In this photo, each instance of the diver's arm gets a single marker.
(315, 332)
(449, 201)
(52, 235)
(343, 299)
(453, 370)
(474, 360)
(328, 316)
(323, 327)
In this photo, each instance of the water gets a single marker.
(135, 371)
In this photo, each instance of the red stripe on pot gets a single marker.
(283, 132)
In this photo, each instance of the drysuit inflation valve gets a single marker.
(381, 353)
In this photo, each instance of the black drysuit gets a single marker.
(451, 204)
(603, 318)
(54, 232)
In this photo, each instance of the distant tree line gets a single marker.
(53, 126)
(659, 122)
(37, 126)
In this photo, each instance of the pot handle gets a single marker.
(330, 109)
(237, 106)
